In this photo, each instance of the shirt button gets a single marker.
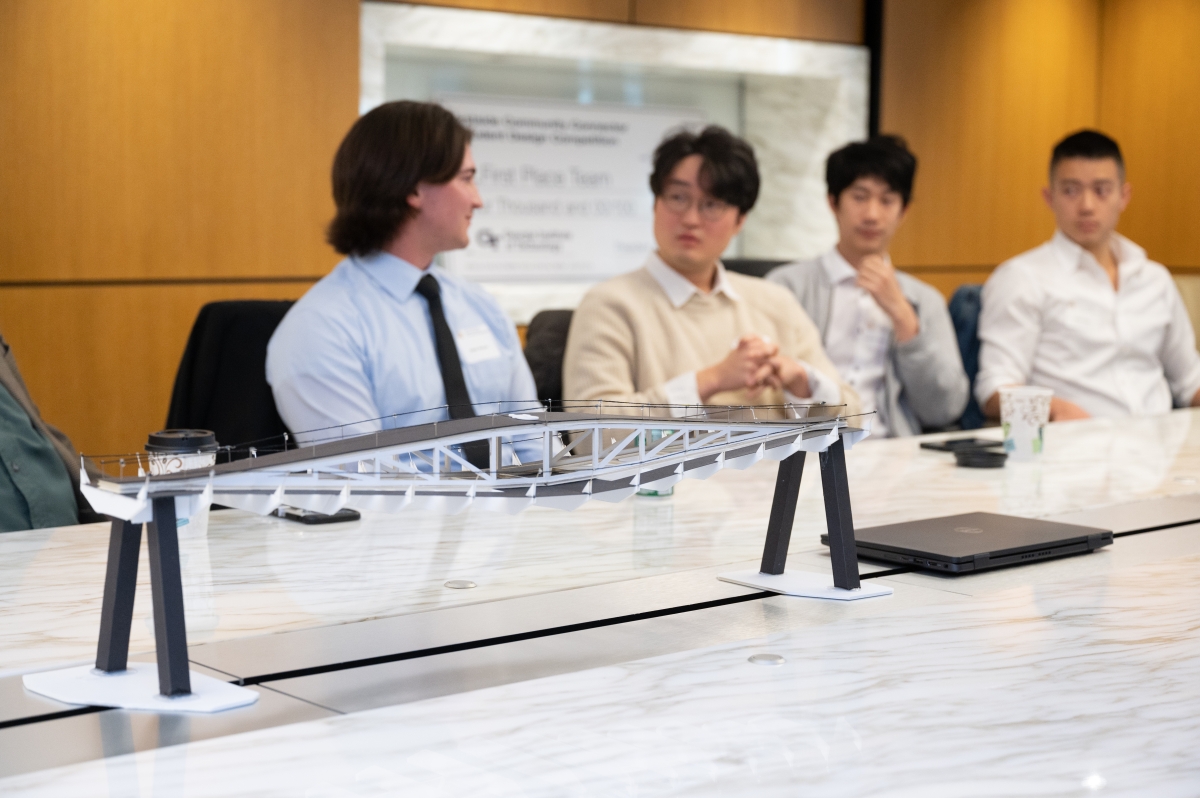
(16, 466)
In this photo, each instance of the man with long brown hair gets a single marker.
(388, 339)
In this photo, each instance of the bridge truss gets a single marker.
(587, 452)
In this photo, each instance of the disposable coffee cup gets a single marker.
(173, 450)
(1024, 413)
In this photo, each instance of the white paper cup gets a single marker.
(172, 463)
(169, 463)
(1024, 413)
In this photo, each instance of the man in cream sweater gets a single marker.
(682, 330)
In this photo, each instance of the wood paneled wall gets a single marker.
(823, 20)
(1150, 103)
(982, 90)
(100, 361)
(171, 138)
(151, 140)
(595, 10)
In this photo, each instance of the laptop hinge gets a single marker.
(1095, 541)
(981, 560)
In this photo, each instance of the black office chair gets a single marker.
(545, 346)
(752, 266)
(964, 312)
(221, 384)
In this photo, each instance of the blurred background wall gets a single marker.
(156, 155)
(982, 89)
(159, 154)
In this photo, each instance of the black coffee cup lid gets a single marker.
(980, 458)
(182, 441)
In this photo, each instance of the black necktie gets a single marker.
(457, 397)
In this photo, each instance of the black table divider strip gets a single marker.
(384, 659)
(487, 642)
(1158, 528)
(903, 569)
(66, 713)
(427, 652)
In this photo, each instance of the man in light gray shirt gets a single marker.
(888, 333)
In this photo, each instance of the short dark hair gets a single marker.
(728, 171)
(885, 157)
(1091, 144)
(387, 152)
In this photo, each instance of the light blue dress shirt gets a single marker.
(358, 351)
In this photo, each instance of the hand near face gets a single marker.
(748, 366)
(878, 278)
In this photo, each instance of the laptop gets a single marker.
(975, 541)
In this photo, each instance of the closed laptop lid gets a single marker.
(960, 538)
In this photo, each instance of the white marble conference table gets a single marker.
(1074, 677)
(1087, 686)
(254, 576)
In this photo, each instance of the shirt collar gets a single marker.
(678, 288)
(394, 275)
(1128, 254)
(837, 268)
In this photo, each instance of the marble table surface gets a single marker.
(252, 576)
(1080, 687)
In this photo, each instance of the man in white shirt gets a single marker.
(888, 333)
(681, 330)
(1087, 314)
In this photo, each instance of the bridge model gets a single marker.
(588, 452)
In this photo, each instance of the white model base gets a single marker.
(805, 584)
(136, 688)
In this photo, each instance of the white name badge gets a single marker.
(476, 344)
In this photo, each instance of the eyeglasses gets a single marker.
(680, 202)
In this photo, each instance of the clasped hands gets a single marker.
(753, 365)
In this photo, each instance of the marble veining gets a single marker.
(1076, 688)
(793, 124)
(253, 576)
